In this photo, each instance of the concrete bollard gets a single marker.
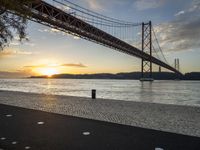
(93, 94)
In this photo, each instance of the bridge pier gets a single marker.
(146, 65)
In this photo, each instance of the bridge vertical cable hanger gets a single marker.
(115, 27)
(159, 47)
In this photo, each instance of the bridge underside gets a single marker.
(49, 15)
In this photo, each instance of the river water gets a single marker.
(167, 92)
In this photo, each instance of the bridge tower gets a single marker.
(146, 66)
(176, 64)
(159, 69)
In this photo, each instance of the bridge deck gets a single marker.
(49, 15)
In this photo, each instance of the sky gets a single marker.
(176, 23)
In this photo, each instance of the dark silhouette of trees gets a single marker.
(13, 20)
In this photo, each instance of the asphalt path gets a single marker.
(22, 128)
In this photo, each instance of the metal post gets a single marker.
(93, 94)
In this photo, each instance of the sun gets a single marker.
(48, 71)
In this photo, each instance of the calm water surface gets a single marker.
(168, 92)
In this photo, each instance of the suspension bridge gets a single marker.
(135, 39)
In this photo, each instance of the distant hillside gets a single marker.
(131, 75)
(192, 76)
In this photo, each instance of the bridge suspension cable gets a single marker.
(158, 49)
(127, 31)
(69, 6)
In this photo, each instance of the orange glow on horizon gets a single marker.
(47, 68)
(47, 71)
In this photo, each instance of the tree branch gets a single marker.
(2, 10)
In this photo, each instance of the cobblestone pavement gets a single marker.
(171, 118)
(22, 128)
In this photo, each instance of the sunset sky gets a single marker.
(51, 52)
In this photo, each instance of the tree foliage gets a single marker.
(13, 19)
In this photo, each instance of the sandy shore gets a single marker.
(170, 118)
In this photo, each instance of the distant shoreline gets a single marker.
(125, 76)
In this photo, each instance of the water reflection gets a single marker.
(146, 92)
(48, 83)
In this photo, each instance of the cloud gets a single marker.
(13, 52)
(95, 4)
(51, 30)
(56, 31)
(36, 66)
(179, 13)
(77, 65)
(80, 65)
(101, 5)
(16, 38)
(76, 37)
(29, 44)
(15, 43)
(18, 43)
(62, 7)
(148, 4)
(183, 33)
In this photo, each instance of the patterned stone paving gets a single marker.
(39, 130)
(170, 118)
